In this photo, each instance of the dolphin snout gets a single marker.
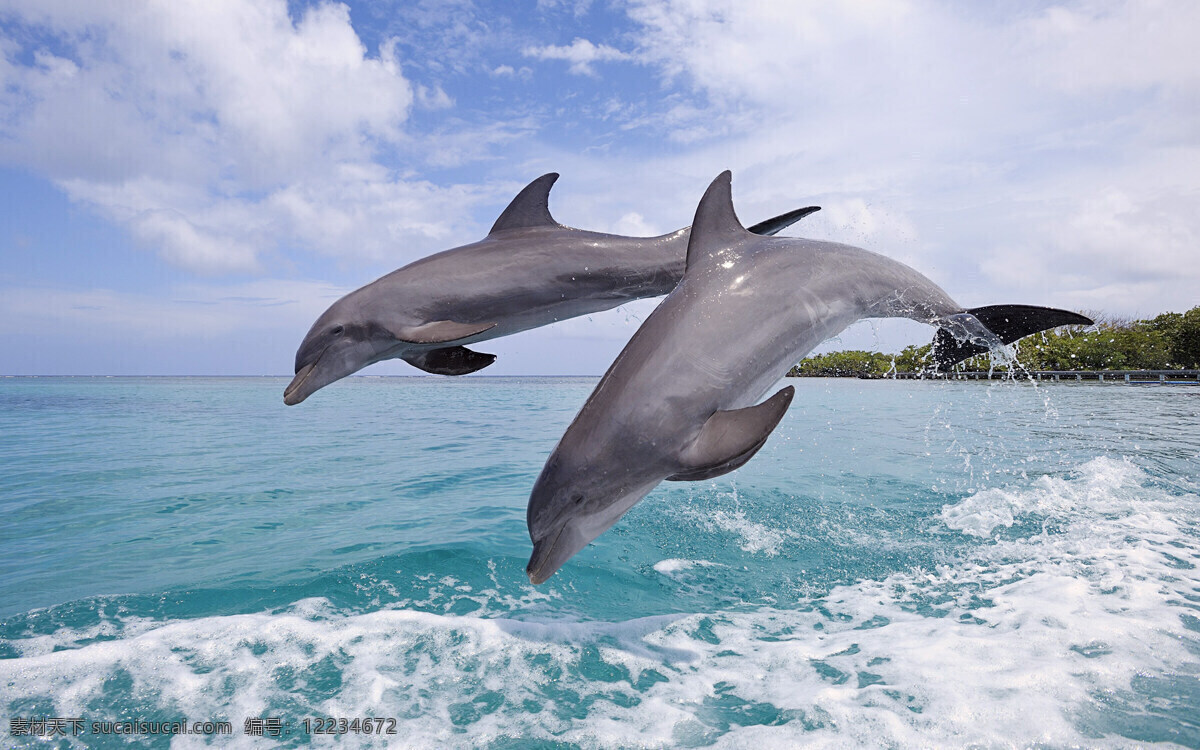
(542, 564)
(536, 577)
(293, 395)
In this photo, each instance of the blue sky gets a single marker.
(185, 186)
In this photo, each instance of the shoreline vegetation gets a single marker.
(1170, 341)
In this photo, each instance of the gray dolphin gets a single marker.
(529, 271)
(679, 401)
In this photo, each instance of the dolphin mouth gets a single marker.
(292, 394)
(541, 552)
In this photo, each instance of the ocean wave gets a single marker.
(1070, 620)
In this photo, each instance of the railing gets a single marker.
(1133, 377)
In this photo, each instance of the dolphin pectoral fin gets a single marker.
(1008, 322)
(699, 475)
(777, 224)
(442, 332)
(731, 438)
(452, 360)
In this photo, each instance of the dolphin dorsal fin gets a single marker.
(731, 438)
(716, 225)
(531, 207)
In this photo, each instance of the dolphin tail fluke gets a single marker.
(731, 438)
(1008, 322)
(451, 360)
(777, 224)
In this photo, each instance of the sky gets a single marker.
(185, 186)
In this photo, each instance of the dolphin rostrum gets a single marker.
(679, 402)
(529, 271)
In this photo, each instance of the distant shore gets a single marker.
(1164, 347)
(1103, 376)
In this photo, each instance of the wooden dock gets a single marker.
(1131, 377)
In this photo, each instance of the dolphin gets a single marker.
(679, 402)
(529, 271)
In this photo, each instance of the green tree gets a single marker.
(1182, 332)
(914, 358)
(1170, 340)
(1107, 347)
(853, 363)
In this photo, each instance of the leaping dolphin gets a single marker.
(678, 402)
(529, 271)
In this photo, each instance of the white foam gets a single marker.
(752, 536)
(1101, 485)
(675, 567)
(1017, 643)
(120, 626)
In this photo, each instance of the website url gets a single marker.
(161, 727)
(56, 726)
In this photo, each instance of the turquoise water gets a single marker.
(904, 563)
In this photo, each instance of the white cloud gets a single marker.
(465, 144)
(578, 7)
(507, 71)
(855, 220)
(635, 225)
(1101, 46)
(1046, 155)
(259, 97)
(433, 98)
(190, 311)
(1136, 241)
(191, 329)
(581, 54)
(365, 215)
(984, 148)
(180, 241)
(217, 131)
(246, 328)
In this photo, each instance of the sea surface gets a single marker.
(905, 564)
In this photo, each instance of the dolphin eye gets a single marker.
(576, 498)
(337, 331)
